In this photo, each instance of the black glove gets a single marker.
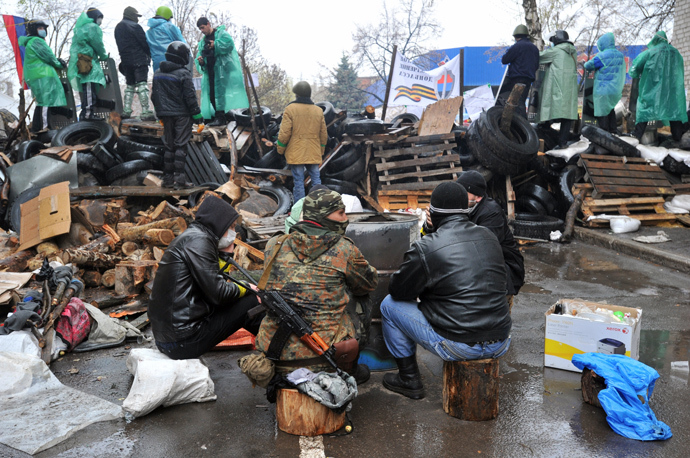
(63, 62)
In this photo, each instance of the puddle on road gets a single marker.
(658, 349)
(534, 289)
(596, 264)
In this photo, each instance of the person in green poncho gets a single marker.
(558, 93)
(40, 73)
(86, 53)
(662, 88)
(222, 84)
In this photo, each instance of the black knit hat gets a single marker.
(448, 198)
(216, 214)
(94, 13)
(473, 182)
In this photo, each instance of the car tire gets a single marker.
(328, 111)
(486, 156)
(244, 119)
(528, 204)
(365, 127)
(545, 170)
(106, 156)
(340, 186)
(564, 191)
(610, 142)
(126, 144)
(353, 173)
(28, 149)
(271, 160)
(126, 168)
(518, 151)
(535, 226)
(281, 195)
(155, 159)
(541, 195)
(85, 132)
(344, 159)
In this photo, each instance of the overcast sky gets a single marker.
(300, 35)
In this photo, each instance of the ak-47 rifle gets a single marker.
(286, 313)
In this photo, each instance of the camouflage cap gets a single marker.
(320, 203)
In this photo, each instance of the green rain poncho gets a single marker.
(229, 82)
(662, 87)
(88, 40)
(559, 90)
(39, 72)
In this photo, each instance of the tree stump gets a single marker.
(592, 384)
(301, 415)
(108, 278)
(470, 389)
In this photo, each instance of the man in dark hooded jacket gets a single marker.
(192, 307)
(135, 59)
(523, 58)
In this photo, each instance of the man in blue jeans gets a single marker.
(449, 294)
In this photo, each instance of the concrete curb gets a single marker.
(631, 248)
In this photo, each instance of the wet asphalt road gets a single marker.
(541, 410)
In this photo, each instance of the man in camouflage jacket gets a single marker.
(319, 269)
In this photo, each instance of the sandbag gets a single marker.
(161, 381)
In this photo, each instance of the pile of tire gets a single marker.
(607, 143)
(345, 170)
(498, 153)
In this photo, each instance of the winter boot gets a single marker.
(180, 177)
(143, 93)
(361, 373)
(219, 120)
(168, 169)
(408, 381)
(127, 104)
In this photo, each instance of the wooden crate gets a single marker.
(615, 176)
(401, 200)
(429, 160)
(649, 210)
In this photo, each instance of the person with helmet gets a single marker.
(40, 73)
(523, 61)
(174, 98)
(86, 53)
(609, 79)
(662, 86)
(160, 34)
(135, 58)
(302, 138)
(222, 81)
(559, 90)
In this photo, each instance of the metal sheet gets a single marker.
(41, 171)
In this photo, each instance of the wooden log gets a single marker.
(301, 415)
(166, 211)
(157, 253)
(89, 258)
(509, 110)
(124, 282)
(110, 301)
(159, 236)
(102, 244)
(108, 278)
(570, 216)
(137, 233)
(592, 384)
(16, 262)
(92, 278)
(470, 389)
(129, 247)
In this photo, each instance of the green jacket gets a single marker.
(558, 93)
(228, 76)
(662, 82)
(88, 40)
(39, 72)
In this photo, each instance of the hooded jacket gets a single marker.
(523, 58)
(87, 40)
(132, 44)
(40, 74)
(173, 91)
(662, 82)
(228, 79)
(188, 284)
(303, 136)
(558, 94)
(160, 34)
(317, 269)
(609, 79)
(459, 276)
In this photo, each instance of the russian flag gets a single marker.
(16, 27)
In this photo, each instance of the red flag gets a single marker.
(16, 27)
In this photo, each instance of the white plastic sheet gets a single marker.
(566, 153)
(38, 411)
(20, 342)
(161, 381)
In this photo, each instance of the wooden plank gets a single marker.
(627, 173)
(604, 189)
(420, 174)
(117, 191)
(422, 192)
(438, 117)
(627, 181)
(630, 200)
(616, 166)
(596, 157)
(418, 162)
(429, 138)
(258, 254)
(413, 186)
(375, 205)
(414, 150)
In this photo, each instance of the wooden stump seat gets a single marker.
(470, 389)
(301, 415)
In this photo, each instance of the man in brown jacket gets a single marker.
(302, 138)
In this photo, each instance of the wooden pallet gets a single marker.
(615, 176)
(155, 129)
(649, 210)
(429, 160)
(402, 200)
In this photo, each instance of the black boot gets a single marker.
(408, 381)
(168, 169)
(219, 121)
(361, 373)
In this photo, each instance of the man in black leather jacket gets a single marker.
(458, 275)
(192, 307)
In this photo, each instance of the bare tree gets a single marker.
(533, 22)
(186, 13)
(411, 26)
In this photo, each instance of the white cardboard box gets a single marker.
(568, 335)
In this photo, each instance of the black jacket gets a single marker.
(173, 91)
(131, 43)
(459, 276)
(188, 284)
(523, 58)
(490, 215)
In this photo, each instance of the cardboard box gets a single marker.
(568, 335)
(45, 216)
